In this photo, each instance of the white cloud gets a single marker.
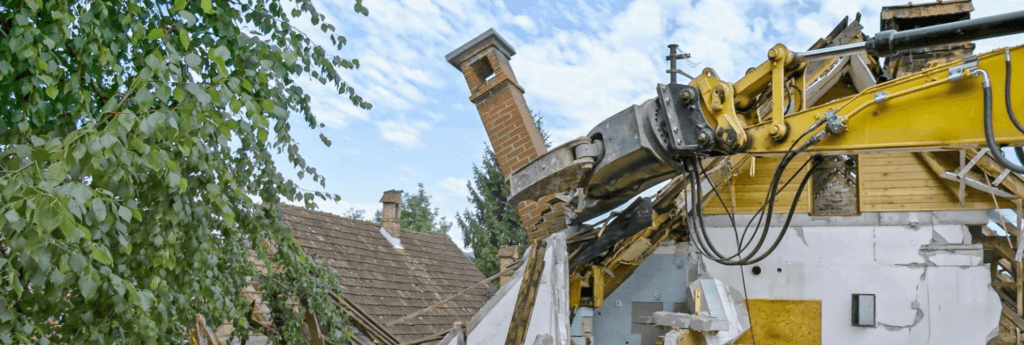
(525, 23)
(455, 187)
(404, 133)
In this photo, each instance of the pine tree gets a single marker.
(492, 222)
(417, 215)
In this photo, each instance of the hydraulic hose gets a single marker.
(1009, 107)
(990, 137)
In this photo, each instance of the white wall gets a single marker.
(930, 283)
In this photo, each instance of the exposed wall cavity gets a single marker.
(659, 284)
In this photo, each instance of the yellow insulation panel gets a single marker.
(788, 322)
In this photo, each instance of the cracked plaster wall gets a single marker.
(930, 283)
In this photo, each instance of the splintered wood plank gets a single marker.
(527, 295)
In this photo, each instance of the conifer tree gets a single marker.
(418, 216)
(492, 222)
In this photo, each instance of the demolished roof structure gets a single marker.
(918, 215)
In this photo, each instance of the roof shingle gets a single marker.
(390, 283)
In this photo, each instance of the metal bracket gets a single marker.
(957, 72)
(881, 97)
(561, 169)
(835, 124)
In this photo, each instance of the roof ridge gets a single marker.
(363, 221)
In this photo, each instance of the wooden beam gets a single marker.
(527, 295)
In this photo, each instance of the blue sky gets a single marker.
(579, 62)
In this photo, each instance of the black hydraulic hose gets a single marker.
(990, 137)
(1009, 108)
(704, 241)
(792, 209)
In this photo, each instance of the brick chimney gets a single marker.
(390, 215)
(484, 62)
(506, 256)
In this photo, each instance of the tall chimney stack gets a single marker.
(493, 88)
(390, 215)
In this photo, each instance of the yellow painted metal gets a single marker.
(719, 107)
(575, 284)
(758, 78)
(597, 273)
(923, 111)
(775, 321)
(777, 55)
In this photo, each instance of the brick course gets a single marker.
(508, 123)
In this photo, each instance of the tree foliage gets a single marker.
(353, 213)
(418, 216)
(492, 222)
(538, 119)
(134, 138)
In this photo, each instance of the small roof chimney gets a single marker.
(390, 215)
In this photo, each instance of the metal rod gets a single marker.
(889, 42)
(830, 52)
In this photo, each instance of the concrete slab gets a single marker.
(905, 218)
(690, 321)
(951, 233)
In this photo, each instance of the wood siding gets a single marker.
(887, 182)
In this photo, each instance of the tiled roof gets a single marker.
(390, 283)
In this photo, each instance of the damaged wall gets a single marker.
(930, 283)
(659, 284)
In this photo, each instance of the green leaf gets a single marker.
(324, 139)
(87, 285)
(101, 254)
(77, 262)
(68, 226)
(56, 277)
(178, 6)
(179, 94)
(208, 7)
(188, 16)
(192, 60)
(198, 91)
(155, 34)
(12, 216)
(173, 179)
(183, 36)
(107, 140)
(125, 213)
(52, 92)
(48, 217)
(99, 210)
(222, 52)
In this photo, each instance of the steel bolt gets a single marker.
(702, 137)
(687, 95)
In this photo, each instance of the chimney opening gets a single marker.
(483, 69)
